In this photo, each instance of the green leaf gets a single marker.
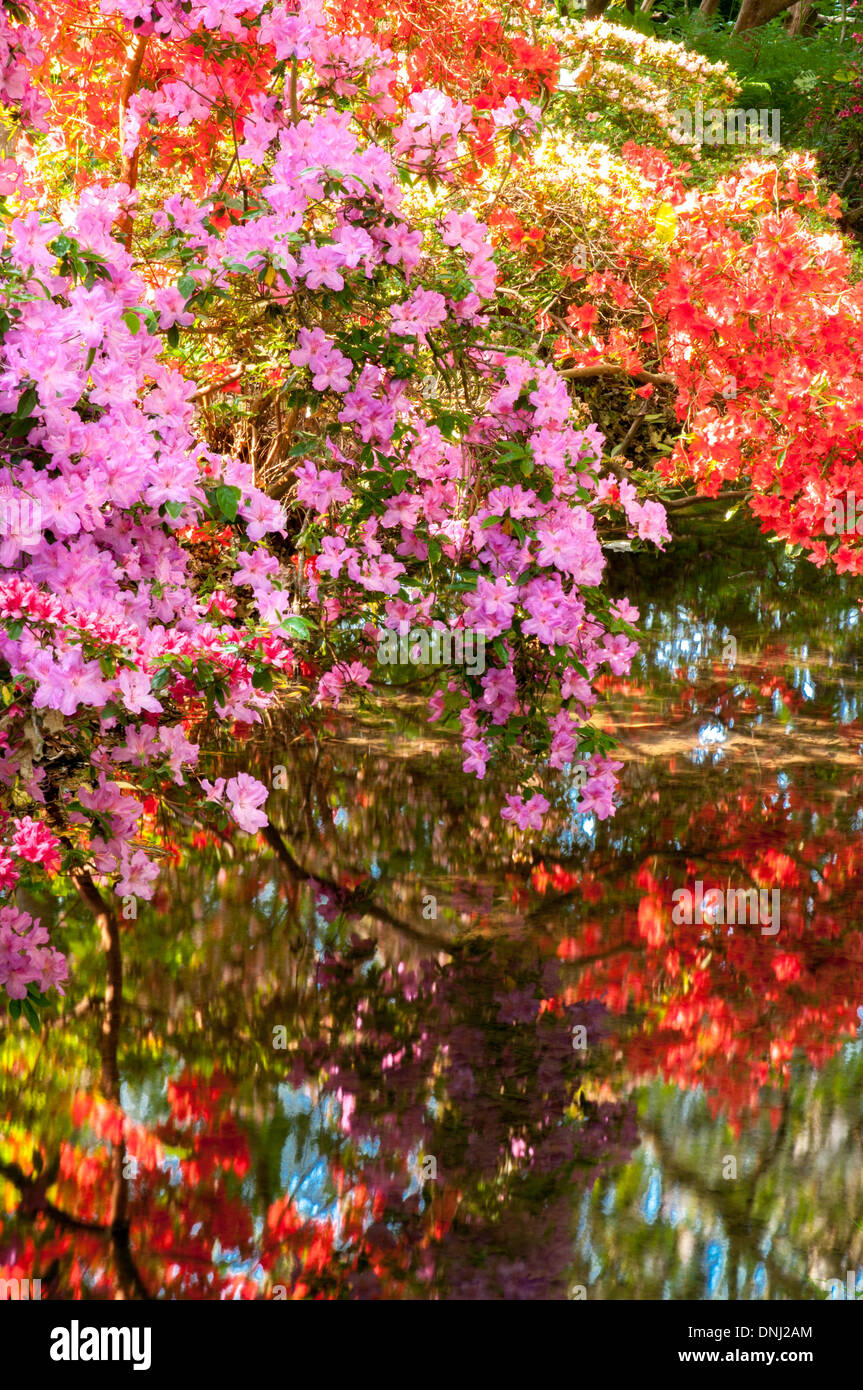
(174, 508)
(161, 678)
(26, 403)
(227, 500)
(131, 320)
(15, 1008)
(31, 1015)
(263, 679)
(297, 627)
(173, 336)
(187, 286)
(18, 427)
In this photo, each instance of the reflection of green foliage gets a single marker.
(727, 572)
(785, 1225)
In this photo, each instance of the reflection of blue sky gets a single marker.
(714, 1265)
(303, 1168)
(652, 1198)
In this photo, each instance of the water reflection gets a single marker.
(394, 1050)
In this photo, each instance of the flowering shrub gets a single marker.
(732, 306)
(467, 506)
(107, 655)
(442, 477)
(622, 85)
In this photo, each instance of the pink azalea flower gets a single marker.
(526, 814)
(246, 795)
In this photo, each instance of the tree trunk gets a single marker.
(754, 13)
(708, 7)
(800, 18)
(129, 163)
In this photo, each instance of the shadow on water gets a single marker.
(393, 1049)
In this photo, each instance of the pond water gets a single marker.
(399, 1051)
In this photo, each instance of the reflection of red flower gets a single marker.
(651, 921)
(787, 967)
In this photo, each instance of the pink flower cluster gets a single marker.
(19, 54)
(105, 601)
(330, 220)
(25, 956)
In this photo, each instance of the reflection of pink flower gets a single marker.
(246, 794)
(435, 706)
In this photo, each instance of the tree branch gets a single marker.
(129, 163)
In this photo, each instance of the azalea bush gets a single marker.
(726, 306)
(108, 656)
(617, 84)
(437, 472)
